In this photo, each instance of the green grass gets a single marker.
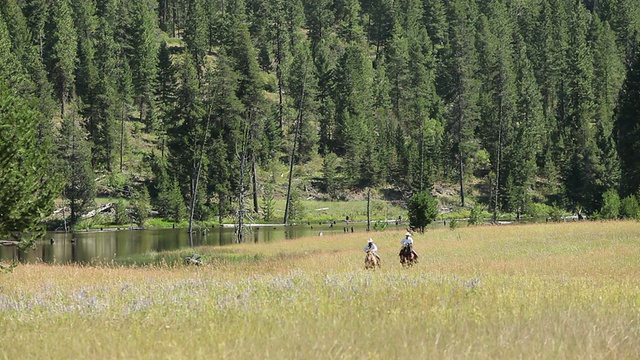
(544, 291)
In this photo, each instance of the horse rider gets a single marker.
(407, 245)
(371, 246)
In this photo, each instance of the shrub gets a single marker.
(120, 213)
(537, 210)
(268, 201)
(379, 225)
(140, 207)
(171, 204)
(629, 207)
(296, 207)
(610, 205)
(476, 215)
(555, 214)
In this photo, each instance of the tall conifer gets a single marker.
(60, 51)
(627, 129)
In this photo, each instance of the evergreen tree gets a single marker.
(398, 63)
(528, 127)
(627, 130)
(384, 164)
(348, 20)
(196, 32)
(124, 102)
(75, 153)
(320, 20)
(16, 29)
(226, 134)
(423, 209)
(295, 22)
(435, 18)
(422, 123)
(268, 200)
(583, 171)
(140, 206)
(166, 195)
(498, 93)
(354, 100)
(380, 24)
(29, 56)
(86, 74)
(303, 91)
(143, 56)
(278, 36)
(462, 90)
(10, 67)
(171, 203)
(240, 49)
(330, 175)
(165, 91)
(27, 184)
(623, 16)
(37, 12)
(105, 106)
(325, 73)
(608, 76)
(60, 51)
(188, 130)
(548, 48)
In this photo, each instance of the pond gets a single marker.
(112, 245)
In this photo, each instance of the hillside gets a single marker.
(167, 110)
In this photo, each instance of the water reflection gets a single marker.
(81, 247)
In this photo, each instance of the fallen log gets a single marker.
(93, 213)
(57, 211)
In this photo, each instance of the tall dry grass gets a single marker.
(550, 291)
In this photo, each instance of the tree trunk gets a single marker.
(293, 152)
(195, 180)
(461, 177)
(243, 162)
(254, 176)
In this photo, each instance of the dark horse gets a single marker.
(371, 261)
(408, 257)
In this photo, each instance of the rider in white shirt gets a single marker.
(407, 242)
(371, 246)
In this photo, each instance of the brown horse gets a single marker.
(408, 257)
(371, 261)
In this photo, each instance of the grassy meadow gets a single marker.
(541, 291)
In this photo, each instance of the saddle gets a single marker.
(406, 250)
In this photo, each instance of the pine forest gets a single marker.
(214, 109)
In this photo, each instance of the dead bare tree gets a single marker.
(195, 179)
(293, 149)
(242, 157)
